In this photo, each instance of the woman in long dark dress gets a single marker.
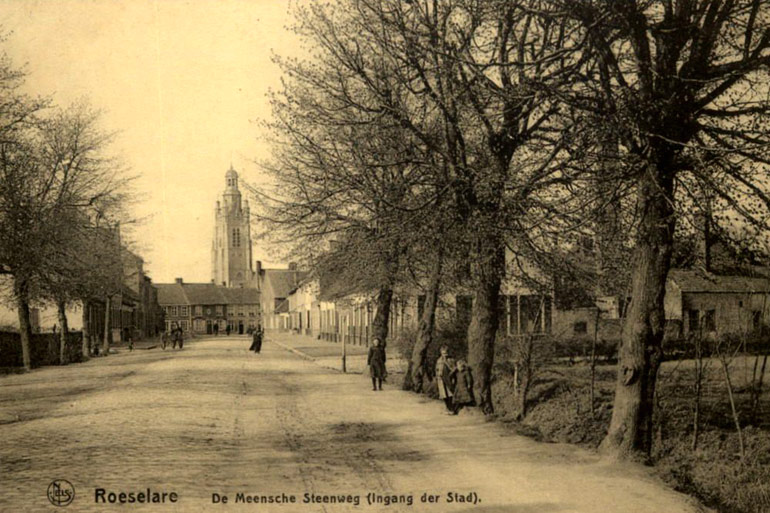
(256, 342)
(463, 392)
(376, 362)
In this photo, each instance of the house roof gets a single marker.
(204, 294)
(129, 294)
(283, 281)
(699, 281)
(283, 307)
(171, 294)
(242, 296)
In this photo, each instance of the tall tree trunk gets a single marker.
(85, 348)
(382, 316)
(21, 290)
(630, 432)
(488, 268)
(107, 328)
(63, 332)
(416, 371)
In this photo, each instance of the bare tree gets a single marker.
(343, 172)
(73, 148)
(683, 86)
(457, 77)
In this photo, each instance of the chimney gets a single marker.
(292, 266)
(179, 281)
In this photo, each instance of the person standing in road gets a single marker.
(376, 362)
(445, 374)
(256, 340)
(463, 392)
(178, 337)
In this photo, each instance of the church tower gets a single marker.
(231, 248)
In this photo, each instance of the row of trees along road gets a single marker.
(60, 198)
(428, 131)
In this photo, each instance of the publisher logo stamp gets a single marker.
(61, 492)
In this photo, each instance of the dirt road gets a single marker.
(214, 421)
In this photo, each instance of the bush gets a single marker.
(730, 486)
(44, 349)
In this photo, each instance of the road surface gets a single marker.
(214, 421)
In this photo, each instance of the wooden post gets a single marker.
(507, 314)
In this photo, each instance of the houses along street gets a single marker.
(214, 421)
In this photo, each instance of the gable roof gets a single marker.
(699, 281)
(241, 296)
(283, 281)
(204, 294)
(283, 307)
(171, 294)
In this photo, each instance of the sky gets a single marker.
(183, 82)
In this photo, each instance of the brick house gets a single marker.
(206, 308)
(716, 305)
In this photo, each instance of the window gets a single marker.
(183, 325)
(198, 310)
(208, 311)
(236, 237)
(420, 306)
(580, 328)
(709, 322)
(172, 310)
(183, 311)
(693, 319)
(508, 308)
(463, 308)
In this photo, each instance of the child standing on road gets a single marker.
(463, 392)
(376, 362)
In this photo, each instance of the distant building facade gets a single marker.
(714, 305)
(207, 308)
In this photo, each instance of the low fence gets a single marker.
(44, 349)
